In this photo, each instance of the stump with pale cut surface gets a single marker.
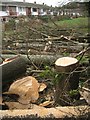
(70, 80)
(66, 64)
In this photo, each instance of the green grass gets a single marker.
(77, 22)
(80, 24)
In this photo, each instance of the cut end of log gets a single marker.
(65, 64)
(26, 88)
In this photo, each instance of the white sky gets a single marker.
(48, 2)
(51, 2)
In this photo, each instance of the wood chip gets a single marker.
(42, 87)
(46, 103)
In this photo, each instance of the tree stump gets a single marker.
(68, 81)
(66, 64)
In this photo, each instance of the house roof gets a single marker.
(24, 4)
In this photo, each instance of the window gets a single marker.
(3, 8)
(20, 9)
(24, 9)
(34, 9)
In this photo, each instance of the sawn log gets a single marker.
(12, 69)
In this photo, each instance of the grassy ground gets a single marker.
(79, 24)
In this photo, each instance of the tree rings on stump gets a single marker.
(66, 64)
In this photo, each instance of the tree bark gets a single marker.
(13, 69)
(37, 59)
(69, 81)
(37, 112)
(32, 52)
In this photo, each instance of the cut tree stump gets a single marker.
(69, 80)
(66, 64)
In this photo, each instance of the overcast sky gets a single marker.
(48, 2)
(51, 2)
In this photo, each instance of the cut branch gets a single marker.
(39, 32)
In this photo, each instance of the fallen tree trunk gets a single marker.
(61, 43)
(38, 112)
(12, 69)
(55, 47)
(32, 52)
(37, 59)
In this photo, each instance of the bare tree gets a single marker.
(63, 2)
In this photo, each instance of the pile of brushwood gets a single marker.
(45, 71)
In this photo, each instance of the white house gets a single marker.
(13, 8)
(3, 13)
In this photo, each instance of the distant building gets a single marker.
(14, 9)
(74, 9)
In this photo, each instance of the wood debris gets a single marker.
(41, 46)
(46, 103)
(85, 91)
(27, 88)
(42, 87)
(58, 112)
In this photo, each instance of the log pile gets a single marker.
(59, 45)
(24, 39)
(26, 84)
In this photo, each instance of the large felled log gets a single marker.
(37, 59)
(37, 112)
(31, 52)
(18, 51)
(42, 43)
(12, 69)
(54, 48)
